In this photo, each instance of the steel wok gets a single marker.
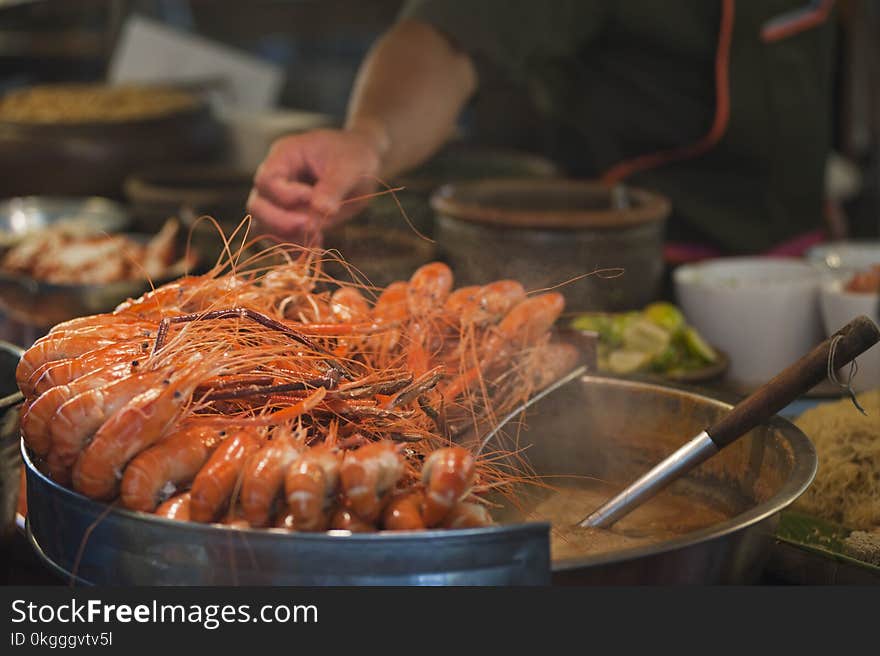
(604, 427)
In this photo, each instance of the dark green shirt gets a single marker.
(629, 77)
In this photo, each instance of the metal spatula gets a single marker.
(838, 350)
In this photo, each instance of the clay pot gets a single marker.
(82, 159)
(547, 232)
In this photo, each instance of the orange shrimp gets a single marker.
(214, 485)
(139, 424)
(345, 520)
(94, 320)
(428, 288)
(447, 474)
(349, 306)
(158, 471)
(522, 327)
(187, 294)
(405, 512)
(60, 347)
(76, 420)
(467, 515)
(177, 507)
(62, 372)
(368, 474)
(310, 486)
(528, 321)
(496, 300)
(392, 303)
(36, 420)
(262, 479)
(114, 330)
(462, 300)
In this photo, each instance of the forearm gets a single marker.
(408, 94)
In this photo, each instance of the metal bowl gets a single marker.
(10, 456)
(19, 216)
(604, 427)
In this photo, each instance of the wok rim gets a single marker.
(804, 458)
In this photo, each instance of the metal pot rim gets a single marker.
(15, 397)
(462, 201)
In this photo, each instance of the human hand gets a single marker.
(301, 187)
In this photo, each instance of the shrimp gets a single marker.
(310, 486)
(59, 347)
(368, 474)
(36, 419)
(522, 327)
(60, 373)
(76, 420)
(345, 520)
(188, 294)
(428, 288)
(213, 486)
(113, 330)
(158, 471)
(405, 512)
(391, 305)
(262, 478)
(94, 320)
(349, 306)
(177, 507)
(447, 474)
(467, 515)
(139, 424)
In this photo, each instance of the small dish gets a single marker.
(843, 258)
(838, 307)
(763, 312)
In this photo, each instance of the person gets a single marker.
(724, 106)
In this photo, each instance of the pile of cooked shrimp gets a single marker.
(267, 394)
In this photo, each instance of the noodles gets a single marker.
(847, 485)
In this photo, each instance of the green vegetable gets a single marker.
(665, 315)
(656, 339)
(645, 336)
(697, 346)
(627, 362)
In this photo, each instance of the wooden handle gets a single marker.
(855, 338)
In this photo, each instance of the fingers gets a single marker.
(298, 225)
(282, 192)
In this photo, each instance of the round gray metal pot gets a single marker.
(609, 428)
(547, 232)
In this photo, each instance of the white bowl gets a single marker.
(763, 312)
(841, 259)
(839, 307)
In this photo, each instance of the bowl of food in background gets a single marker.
(601, 246)
(842, 259)
(70, 269)
(842, 300)
(23, 215)
(655, 342)
(832, 533)
(84, 139)
(762, 312)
